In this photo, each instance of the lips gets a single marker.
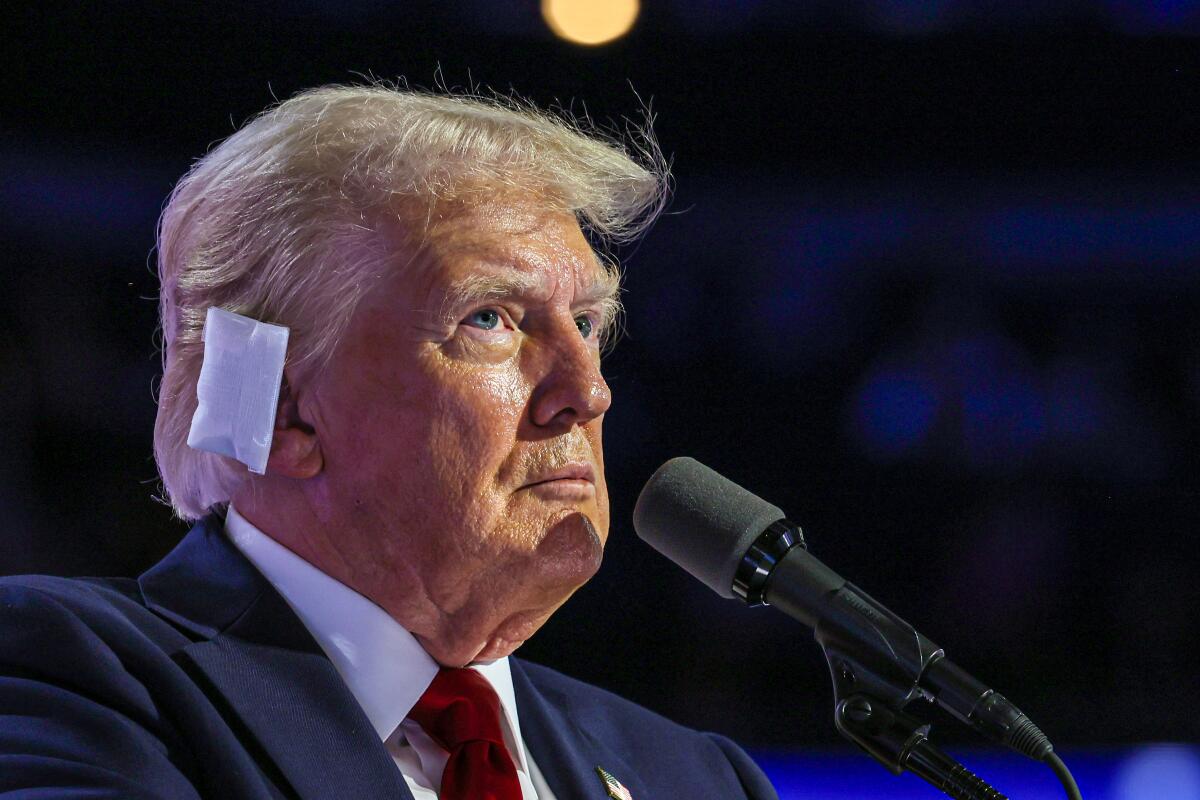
(568, 472)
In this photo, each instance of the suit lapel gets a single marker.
(259, 663)
(569, 747)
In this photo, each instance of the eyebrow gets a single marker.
(602, 292)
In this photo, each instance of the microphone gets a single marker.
(740, 545)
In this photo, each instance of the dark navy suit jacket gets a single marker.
(197, 680)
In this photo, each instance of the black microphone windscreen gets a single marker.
(701, 520)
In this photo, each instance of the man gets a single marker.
(340, 625)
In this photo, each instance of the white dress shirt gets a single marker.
(383, 665)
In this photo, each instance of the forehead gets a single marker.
(517, 235)
(458, 254)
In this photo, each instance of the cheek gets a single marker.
(595, 437)
(438, 428)
(472, 420)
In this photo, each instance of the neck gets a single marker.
(448, 625)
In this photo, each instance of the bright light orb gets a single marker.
(589, 22)
(1158, 771)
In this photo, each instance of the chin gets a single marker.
(513, 633)
(524, 594)
(496, 650)
(569, 554)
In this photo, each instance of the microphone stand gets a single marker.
(876, 659)
(900, 741)
(870, 695)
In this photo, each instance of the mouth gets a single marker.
(578, 471)
(568, 482)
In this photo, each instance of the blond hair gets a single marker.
(280, 223)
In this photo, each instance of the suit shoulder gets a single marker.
(40, 612)
(636, 730)
(87, 599)
(584, 699)
(72, 592)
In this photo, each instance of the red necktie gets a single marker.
(461, 712)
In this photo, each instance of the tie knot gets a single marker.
(460, 706)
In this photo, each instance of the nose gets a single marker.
(571, 390)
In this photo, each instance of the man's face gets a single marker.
(460, 425)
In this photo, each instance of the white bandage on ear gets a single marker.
(238, 390)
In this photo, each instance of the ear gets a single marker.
(295, 448)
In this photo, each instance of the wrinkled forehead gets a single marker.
(501, 226)
(519, 243)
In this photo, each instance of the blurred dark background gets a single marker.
(930, 283)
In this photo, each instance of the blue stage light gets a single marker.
(1147, 772)
(1158, 772)
(894, 410)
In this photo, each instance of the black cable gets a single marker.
(1064, 775)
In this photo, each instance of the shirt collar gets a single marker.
(383, 665)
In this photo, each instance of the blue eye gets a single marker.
(585, 326)
(487, 319)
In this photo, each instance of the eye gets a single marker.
(585, 325)
(487, 319)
